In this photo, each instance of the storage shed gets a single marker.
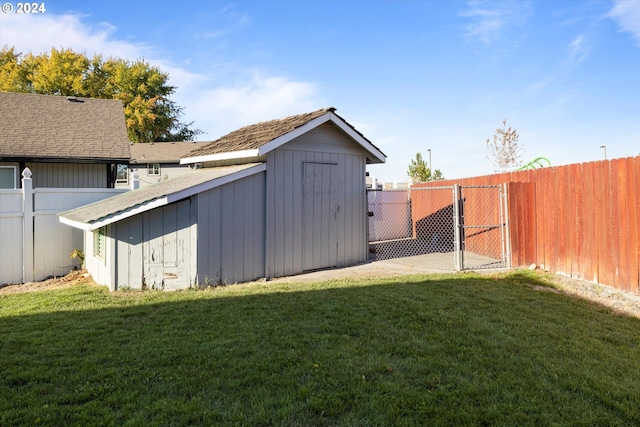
(272, 199)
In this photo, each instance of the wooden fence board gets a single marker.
(531, 215)
(605, 272)
(557, 239)
(633, 188)
(567, 222)
(589, 253)
(523, 224)
(621, 223)
(542, 196)
(613, 220)
(577, 230)
(516, 222)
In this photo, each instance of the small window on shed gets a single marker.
(153, 169)
(122, 176)
(99, 241)
(7, 177)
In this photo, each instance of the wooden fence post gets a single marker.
(27, 226)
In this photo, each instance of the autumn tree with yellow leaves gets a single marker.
(143, 89)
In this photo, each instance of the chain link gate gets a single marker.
(448, 227)
(483, 227)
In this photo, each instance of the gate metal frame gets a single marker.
(461, 260)
(502, 225)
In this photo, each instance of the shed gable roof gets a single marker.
(260, 138)
(62, 128)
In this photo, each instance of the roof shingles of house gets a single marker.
(258, 134)
(58, 127)
(162, 152)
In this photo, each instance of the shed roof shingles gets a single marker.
(41, 126)
(256, 135)
(113, 205)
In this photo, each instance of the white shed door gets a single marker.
(321, 215)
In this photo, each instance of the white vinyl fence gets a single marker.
(389, 215)
(34, 244)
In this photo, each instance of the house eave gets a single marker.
(46, 159)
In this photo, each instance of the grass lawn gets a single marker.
(423, 350)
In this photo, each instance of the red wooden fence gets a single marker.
(582, 220)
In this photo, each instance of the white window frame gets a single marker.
(124, 180)
(153, 169)
(15, 179)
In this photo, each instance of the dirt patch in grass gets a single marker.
(76, 277)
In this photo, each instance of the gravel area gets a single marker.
(619, 301)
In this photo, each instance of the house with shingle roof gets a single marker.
(65, 141)
(157, 161)
(272, 199)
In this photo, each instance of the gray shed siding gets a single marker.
(156, 249)
(68, 175)
(316, 203)
(231, 232)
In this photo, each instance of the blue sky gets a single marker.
(409, 75)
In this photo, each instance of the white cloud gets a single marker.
(40, 33)
(214, 105)
(627, 14)
(490, 19)
(258, 98)
(578, 49)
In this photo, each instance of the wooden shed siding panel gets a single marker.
(326, 138)
(154, 248)
(296, 211)
(209, 241)
(128, 236)
(227, 234)
(259, 232)
(288, 200)
(270, 212)
(357, 192)
(280, 220)
(336, 210)
(231, 232)
(338, 204)
(170, 235)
